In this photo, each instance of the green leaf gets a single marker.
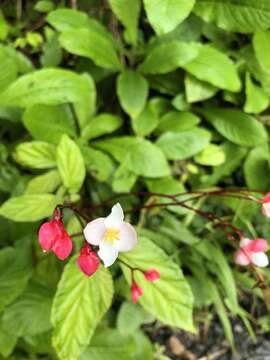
(98, 164)
(109, 344)
(177, 121)
(132, 91)
(70, 164)
(45, 183)
(102, 124)
(167, 57)
(79, 304)
(50, 87)
(215, 67)
(179, 146)
(146, 122)
(256, 169)
(236, 126)
(212, 155)
(9, 68)
(7, 342)
(48, 123)
(144, 348)
(123, 179)
(170, 298)
(197, 90)
(30, 207)
(243, 16)
(123, 9)
(165, 15)
(30, 313)
(35, 154)
(146, 159)
(15, 271)
(67, 19)
(130, 317)
(257, 100)
(261, 44)
(91, 44)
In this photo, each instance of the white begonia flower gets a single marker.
(112, 234)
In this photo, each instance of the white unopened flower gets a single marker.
(112, 234)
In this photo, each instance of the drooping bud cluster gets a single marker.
(150, 275)
(252, 252)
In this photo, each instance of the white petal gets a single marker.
(245, 242)
(259, 259)
(127, 239)
(94, 231)
(116, 217)
(108, 253)
(266, 209)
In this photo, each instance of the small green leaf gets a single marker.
(123, 179)
(212, 155)
(30, 313)
(35, 154)
(167, 57)
(123, 9)
(215, 67)
(261, 44)
(9, 68)
(45, 183)
(165, 15)
(197, 90)
(79, 304)
(132, 91)
(179, 146)
(70, 164)
(256, 169)
(146, 122)
(48, 123)
(177, 121)
(7, 341)
(257, 100)
(170, 298)
(30, 207)
(102, 124)
(236, 126)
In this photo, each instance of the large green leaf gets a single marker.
(215, 67)
(30, 207)
(70, 164)
(236, 126)
(167, 57)
(243, 16)
(35, 154)
(15, 271)
(79, 304)
(92, 44)
(30, 313)
(109, 344)
(169, 299)
(7, 341)
(123, 9)
(48, 123)
(50, 87)
(9, 69)
(146, 159)
(165, 15)
(182, 145)
(132, 91)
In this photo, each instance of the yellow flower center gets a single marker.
(111, 235)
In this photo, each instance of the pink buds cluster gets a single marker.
(150, 275)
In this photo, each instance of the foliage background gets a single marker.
(119, 97)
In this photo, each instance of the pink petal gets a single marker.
(95, 231)
(127, 239)
(259, 259)
(245, 242)
(258, 245)
(266, 198)
(136, 292)
(116, 217)
(241, 258)
(266, 209)
(88, 263)
(63, 246)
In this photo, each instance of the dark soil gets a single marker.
(211, 344)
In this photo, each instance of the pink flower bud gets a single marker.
(136, 292)
(252, 252)
(53, 236)
(266, 205)
(152, 275)
(88, 260)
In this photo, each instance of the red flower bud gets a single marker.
(136, 292)
(53, 236)
(152, 275)
(88, 260)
